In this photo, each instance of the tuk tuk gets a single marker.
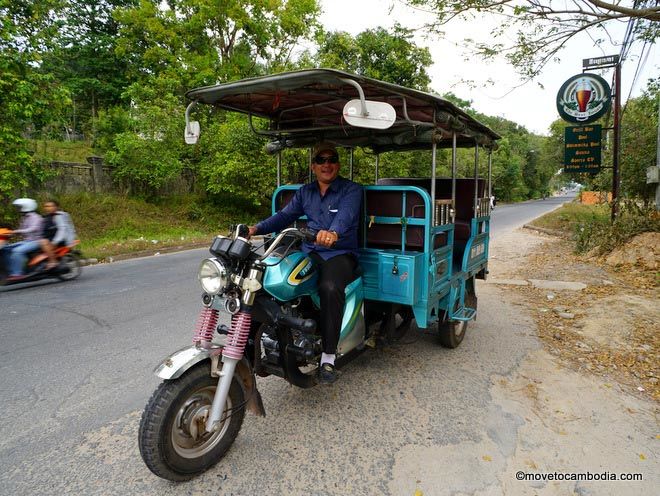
(423, 241)
(422, 244)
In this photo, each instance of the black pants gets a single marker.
(335, 274)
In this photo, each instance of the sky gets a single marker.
(530, 105)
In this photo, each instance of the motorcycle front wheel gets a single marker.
(172, 438)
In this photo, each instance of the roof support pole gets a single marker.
(279, 169)
(309, 180)
(351, 164)
(377, 164)
(453, 176)
(434, 148)
(490, 173)
(476, 179)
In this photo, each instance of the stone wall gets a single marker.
(73, 177)
(96, 177)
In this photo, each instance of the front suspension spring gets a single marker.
(205, 327)
(238, 335)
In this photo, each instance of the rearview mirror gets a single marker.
(380, 115)
(192, 132)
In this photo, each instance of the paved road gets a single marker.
(510, 216)
(76, 362)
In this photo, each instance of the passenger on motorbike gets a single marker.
(58, 231)
(332, 206)
(31, 228)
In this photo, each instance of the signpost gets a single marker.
(600, 62)
(582, 148)
(582, 99)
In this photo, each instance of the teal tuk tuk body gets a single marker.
(423, 241)
(406, 260)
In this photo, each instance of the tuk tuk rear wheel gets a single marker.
(451, 333)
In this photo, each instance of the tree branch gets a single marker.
(652, 14)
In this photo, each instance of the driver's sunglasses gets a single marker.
(332, 159)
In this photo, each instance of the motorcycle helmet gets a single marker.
(25, 205)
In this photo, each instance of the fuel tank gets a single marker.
(295, 275)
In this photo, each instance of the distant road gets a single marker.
(77, 357)
(514, 215)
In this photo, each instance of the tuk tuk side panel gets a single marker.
(440, 267)
(475, 256)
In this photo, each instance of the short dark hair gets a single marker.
(55, 202)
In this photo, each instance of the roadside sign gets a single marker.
(583, 98)
(582, 148)
(596, 62)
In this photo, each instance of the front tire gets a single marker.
(172, 438)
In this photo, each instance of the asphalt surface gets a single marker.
(76, 367)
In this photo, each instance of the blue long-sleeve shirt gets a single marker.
(338, 210)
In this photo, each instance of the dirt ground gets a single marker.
(589, 398)
(611, 328)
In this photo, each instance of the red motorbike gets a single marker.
(68, 267)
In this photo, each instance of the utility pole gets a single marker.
(616, 180)
(657, 162)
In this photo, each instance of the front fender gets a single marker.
(180, 361)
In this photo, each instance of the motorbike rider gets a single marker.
(332, 206)
(31, 228)
(58, 230)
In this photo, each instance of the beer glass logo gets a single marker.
(583, 98)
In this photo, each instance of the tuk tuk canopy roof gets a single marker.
(306, 106)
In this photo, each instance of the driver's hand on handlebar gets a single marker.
(326, 238)
(252, 231)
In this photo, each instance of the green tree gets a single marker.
(390, 56)
(174, 46)
(192, 43)
(27, 98)
(82, 57)
(151, 151)
(639, 128)
(531, 33)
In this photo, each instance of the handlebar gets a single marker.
(305, 234)
(308, 235)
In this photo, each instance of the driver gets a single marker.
(31, 228)
(332, 206)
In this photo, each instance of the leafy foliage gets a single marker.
(639, 142)
(531, 33)
(603, 236)
(27, 98)
(377, 53)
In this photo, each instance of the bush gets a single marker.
(598, 234)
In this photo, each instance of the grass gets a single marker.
(61, 151)
(591, 228)
(571, 215)
(111, 225)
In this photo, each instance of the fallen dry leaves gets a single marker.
(633, 362)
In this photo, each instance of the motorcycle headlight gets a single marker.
(212, 276)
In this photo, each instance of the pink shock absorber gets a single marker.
(238, 335)
(205, 327)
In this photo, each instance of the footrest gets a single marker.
(464, 314)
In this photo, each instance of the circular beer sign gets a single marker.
(584, 98)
